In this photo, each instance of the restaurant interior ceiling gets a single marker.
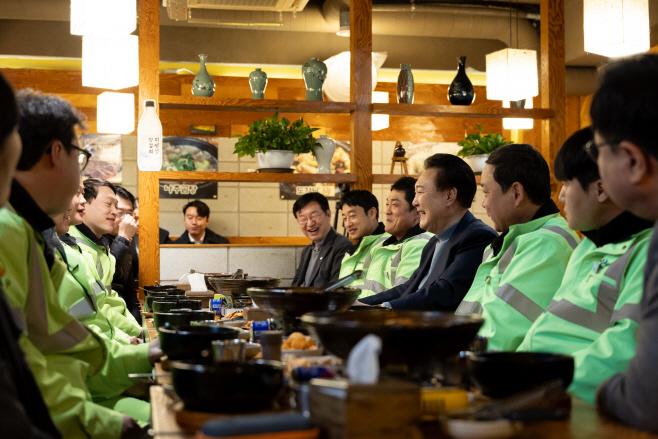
(428, 34)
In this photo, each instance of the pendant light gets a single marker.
(103, 18)
(111, 63)
(380, 121)
(616, 27)
(115, 113)
(512, 73)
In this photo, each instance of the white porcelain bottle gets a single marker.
(149, 139)
(324, 151)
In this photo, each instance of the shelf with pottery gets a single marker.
(460, 111)
(256, 177)
(269, 105)
(392, 178)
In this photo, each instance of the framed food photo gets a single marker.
(189, 154)
(105, 162)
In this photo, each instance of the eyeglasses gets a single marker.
(121, 213)
(313, 218)
(592, 149)
(83, 158)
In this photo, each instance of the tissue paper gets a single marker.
(197, 282)
(363, 361)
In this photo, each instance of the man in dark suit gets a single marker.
(320, 261)
(197, 216)
(444, 193)
(134, 245)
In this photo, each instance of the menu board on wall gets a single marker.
(105, 162)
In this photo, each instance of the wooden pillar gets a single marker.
(149, 88)
(553, 72)
(361, 92)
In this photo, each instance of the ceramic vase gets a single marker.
(314, 73)
(461, 91)
(203, 85)
(405, 90)
(324, 151)
(399, 150)
(477, 162)
(275, 159)
(258, 82)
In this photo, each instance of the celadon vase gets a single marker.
(258, 82)
(203, 85)
(324, 151)
(405, 88)
(314, 73)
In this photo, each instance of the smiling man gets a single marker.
(523, 268)
(320, 260)
(444, 193)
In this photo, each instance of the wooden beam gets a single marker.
(232, 104)
(255, 176)
(460, 111)
(149, 194)
(553, 71)
(361, 92)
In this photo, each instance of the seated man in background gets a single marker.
(394, 258)
(100, 215)
(522, 268)
(69, 362)
(320, 260)
(448, 262)
(119, 242)
(360, 211)
(197, 217)
(624, 113)
(593, 316)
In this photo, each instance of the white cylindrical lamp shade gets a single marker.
(115, 113)
(110, 62)
(512, 75)
(103, 18)
(616, 27)
(517, 123)
(380, 121)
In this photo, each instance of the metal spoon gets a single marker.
(358, 274)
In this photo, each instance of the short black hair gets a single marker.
(126, 195)
(202, 208)
(44, 118)
(408, 186)
(309, 198)
(572, 161)
(522, 163)
(625, 107)
(454, 173)
(91, 188)
(363, 199)
(8, 109)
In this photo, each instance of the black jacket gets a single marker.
(210, 238)
(453, 273)
(134, 246)
(123, 281)
(327, 268)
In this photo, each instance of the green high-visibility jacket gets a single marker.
(388, 266)
(69, 362)
(513, 288)
(596, 311)
(354, 261)
(103, 263)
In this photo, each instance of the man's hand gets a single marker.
(130, 429)
(133, 340)
(155, 353)
(128, 227)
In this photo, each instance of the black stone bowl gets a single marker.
(164, 305)
(187, 342)
(227, 387)
(180, 317)
(159, 287)
(148, 300)
(500, 374)
(413, 338)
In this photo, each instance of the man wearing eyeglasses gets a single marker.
(320, 260)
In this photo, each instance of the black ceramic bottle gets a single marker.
(461, 91)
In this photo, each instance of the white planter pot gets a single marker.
(477, 162)
(324, 152)
(275, 159)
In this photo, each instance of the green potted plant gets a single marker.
(275, 142)
(477, 147)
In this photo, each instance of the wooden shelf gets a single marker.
(256, 177)
(392, 178)
(266, 105)
(460, 111)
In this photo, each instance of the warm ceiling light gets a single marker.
(110, 62)
(103, 18)
(616, 27)
(512, 75)
(517, 123)
(380, 121)
(115, 113)
(344, 23)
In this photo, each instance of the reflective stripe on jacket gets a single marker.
(595, 313)
(354, 261)
(513, 288)
(388, 266)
